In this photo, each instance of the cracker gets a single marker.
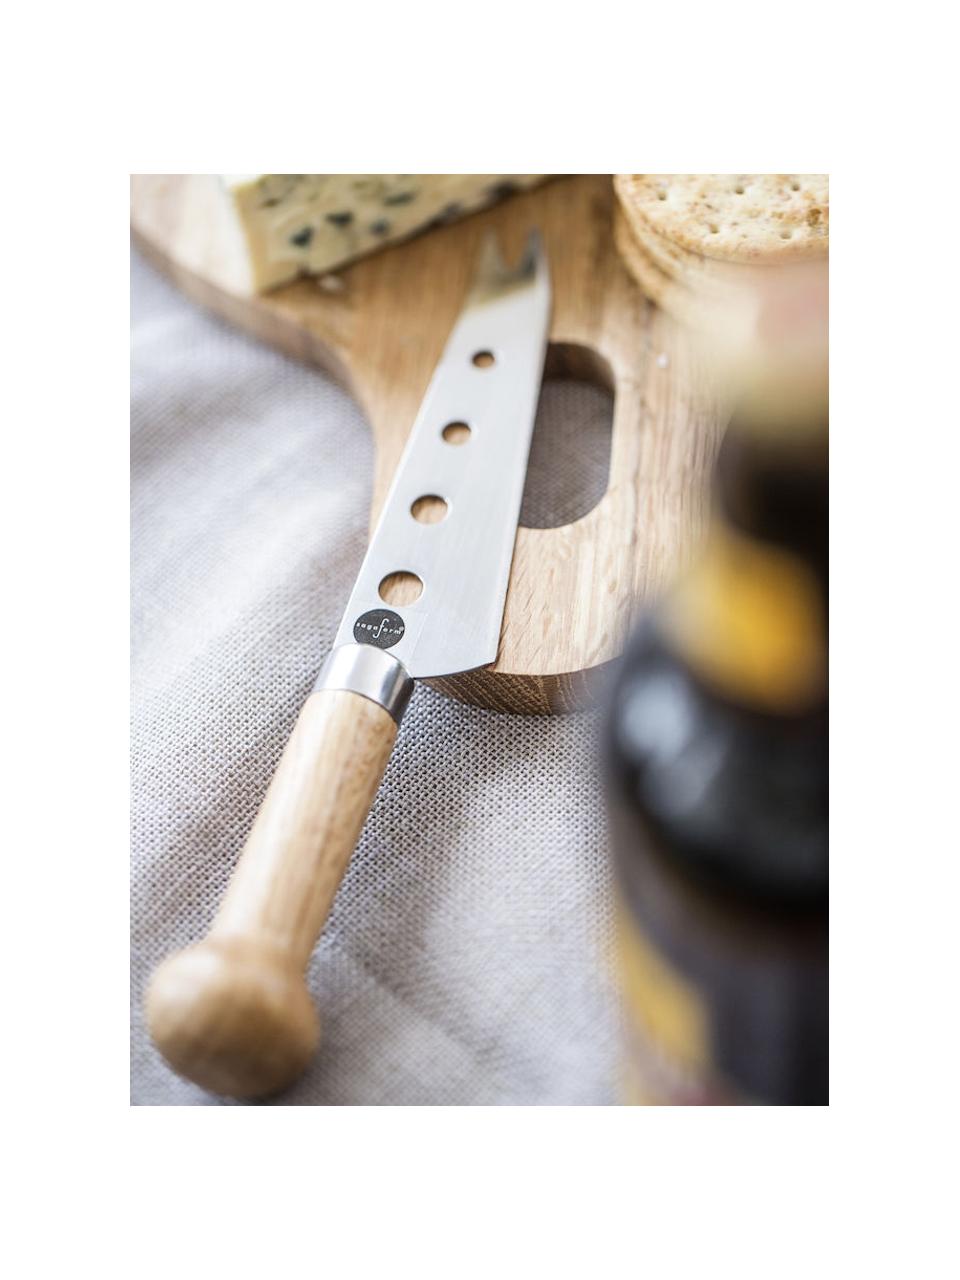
(692, 270)
(729, 309)
(659, 287)
(746, 217)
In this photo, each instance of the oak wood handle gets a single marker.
(232, 1013)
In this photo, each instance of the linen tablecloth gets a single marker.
(465, 961)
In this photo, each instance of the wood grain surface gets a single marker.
(232, 1013)
(575, 590)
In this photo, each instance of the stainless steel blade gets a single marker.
(464, 560)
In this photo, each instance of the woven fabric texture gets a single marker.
(466, 958)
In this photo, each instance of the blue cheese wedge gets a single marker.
(309, 223)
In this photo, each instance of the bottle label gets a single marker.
(668, 1055)
(748, 618)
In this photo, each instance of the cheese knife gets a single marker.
(232, 1013)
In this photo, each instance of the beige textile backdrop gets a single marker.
(466, 958)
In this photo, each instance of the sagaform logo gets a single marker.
(380, 627)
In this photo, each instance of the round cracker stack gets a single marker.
(695, 242)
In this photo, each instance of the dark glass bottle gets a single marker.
(717, 755)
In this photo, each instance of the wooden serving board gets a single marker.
(574, 591)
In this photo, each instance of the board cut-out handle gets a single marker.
(232, 1013)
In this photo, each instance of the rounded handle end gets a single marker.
(233, 1017)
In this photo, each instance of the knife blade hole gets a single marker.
(456, 433)
(484, 359)
(400, 588)
(430, 509)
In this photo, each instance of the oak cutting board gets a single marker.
(574, 591)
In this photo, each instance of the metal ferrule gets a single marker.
(369, 671)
